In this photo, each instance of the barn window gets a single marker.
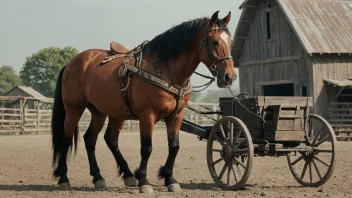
(268, 31)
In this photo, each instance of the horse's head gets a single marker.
(215, 50)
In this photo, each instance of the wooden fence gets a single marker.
(340, 118)
(34, 121)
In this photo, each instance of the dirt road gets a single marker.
(25, 171)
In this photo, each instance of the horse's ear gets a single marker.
(226, 19)
(214, 18)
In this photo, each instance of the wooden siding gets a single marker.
(283, 42)
(275, 72)
(332, 67)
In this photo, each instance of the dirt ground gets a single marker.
(25, 171)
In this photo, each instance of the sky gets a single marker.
(27, 26)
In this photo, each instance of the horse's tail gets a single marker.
(58, 120)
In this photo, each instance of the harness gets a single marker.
(126, 71)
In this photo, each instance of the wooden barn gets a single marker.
(298, 48)
(33, 96)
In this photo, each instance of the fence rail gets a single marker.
(32, 121)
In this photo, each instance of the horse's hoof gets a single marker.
(100, 185)
(130, 181)
(65, 186)
(146, 189)
(174, 188)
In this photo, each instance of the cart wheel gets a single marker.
(315, 166)
(230, 153)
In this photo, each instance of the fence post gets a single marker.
(196, 118)
(22, 116)
(38, 117)
(2, 118)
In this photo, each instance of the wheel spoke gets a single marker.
(323, 151)
(228, 173)
(321, 141)
(317, 136)
(219, 140)
(236, 138)
(222, 171)
(234, 172)
(223, 133)
(217, 161)
(216, 150)
(316, 168)
(310, 172)
(231, 133)
(239, 170)
(304, 170)
(321, 161)
(240, 163)
(297, 160)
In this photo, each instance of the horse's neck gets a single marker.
(182, 68)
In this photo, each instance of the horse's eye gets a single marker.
(215, 42)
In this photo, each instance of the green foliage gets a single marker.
(42, 68)
(8, 79)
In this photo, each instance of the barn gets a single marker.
(298, 48)
(32, 96)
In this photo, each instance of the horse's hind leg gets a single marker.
(70, 127)
(90, 140)
(111, 137)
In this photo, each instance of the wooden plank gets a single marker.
(341, 103)
(11, 115)
(341, 125)
(9, 109)
(11, 121)
(284, 135)
(340, 120)
(272, 60)
(279, 100)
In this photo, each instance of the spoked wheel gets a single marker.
(230, 153)
(315, 166)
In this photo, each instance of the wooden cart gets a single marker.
(267, 126)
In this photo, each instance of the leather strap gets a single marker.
(126, 71)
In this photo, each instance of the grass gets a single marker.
(6, 133)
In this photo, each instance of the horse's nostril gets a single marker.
(227, 78)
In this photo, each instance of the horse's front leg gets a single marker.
(173, 127)
(146, 125)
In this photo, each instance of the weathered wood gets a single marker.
(288, 136)
(272, 60)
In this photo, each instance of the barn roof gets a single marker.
(29, 90)
(340, 83)
(322, 26)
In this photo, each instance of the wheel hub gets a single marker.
(309, 151)
(226, 153)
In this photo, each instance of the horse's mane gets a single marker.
(177, 40)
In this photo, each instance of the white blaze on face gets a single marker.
(224, 36)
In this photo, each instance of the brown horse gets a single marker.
(155, 88)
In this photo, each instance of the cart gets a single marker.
(266, 126)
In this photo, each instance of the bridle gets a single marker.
(212, 59)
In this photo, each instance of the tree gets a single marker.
(8, 79)
(42, 68)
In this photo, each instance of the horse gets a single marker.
(148, 83)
